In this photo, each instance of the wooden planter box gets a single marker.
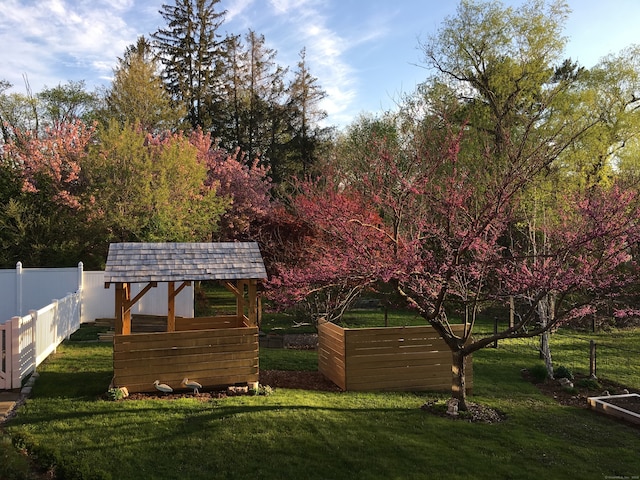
(387, 358)
(214, 357)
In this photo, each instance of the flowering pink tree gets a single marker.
(248, 187)
(442, 233)
(51, 161)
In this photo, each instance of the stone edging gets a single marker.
(25, 391)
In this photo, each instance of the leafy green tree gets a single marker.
(18, 112)
(66, 103)
(137, 94)
(191, 53)
(49, 108)
(609, 96)
(493, 69)
(143, 187)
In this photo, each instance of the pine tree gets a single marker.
(137, 94)
(254, 86)
(305, 115)
(192, 57)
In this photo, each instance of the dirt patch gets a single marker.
(583, 387)
(300, 380)
(303, 380)
(475, 413)
(631, 404)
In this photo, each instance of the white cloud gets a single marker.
(236, 8)
(62, 40)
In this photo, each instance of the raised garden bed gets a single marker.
(626, 407)
(412, 358)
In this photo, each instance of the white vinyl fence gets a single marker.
(25, 342)
(28, 337)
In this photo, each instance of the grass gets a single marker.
(317, 435)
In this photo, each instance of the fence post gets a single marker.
(15, 378)
(18, 309)
(80, 287)
(592, 359)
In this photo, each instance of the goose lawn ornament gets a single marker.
(163, 387)
(192, 384)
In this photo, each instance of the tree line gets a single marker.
(117, 160)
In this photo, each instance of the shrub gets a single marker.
(590, 383)
(538, 373)
(563, 372)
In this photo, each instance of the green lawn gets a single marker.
(293, 434)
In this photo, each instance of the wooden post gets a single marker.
(171, 307)
(172, 293)
(592, 359)
(240, 300)
(123, 309)
(253, 304)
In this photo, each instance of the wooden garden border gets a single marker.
(387, 358)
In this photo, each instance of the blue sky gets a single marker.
(364, 52)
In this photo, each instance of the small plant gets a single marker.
(589, 383)
(538, 373)
(115, 394)
(264, 390)
(563, 372)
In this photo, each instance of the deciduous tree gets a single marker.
(445, 248)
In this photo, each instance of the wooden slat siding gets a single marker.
(208, 323)
(215, 358)
(331, 353)
(387, 358)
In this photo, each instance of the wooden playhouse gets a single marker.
(214, 351)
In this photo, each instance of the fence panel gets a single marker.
(24, 349)
(6, 359)
(9, 294)
(24, 289)
(28, 340)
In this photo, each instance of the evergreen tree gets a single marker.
(305, 114)
(137, 94)
(191, 54)
(254, 90)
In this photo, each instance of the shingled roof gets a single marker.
(168, 262)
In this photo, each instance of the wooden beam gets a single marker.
(232, 288)
(124, 304)
(135, 300)
(181, 287)
(171, 307)
(172, 293)
(253, 303)
(240, 301)
(123, 313)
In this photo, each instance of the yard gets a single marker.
(70, 428)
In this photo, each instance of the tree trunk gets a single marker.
(545, 314)
(459, 383)
(545, 353)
